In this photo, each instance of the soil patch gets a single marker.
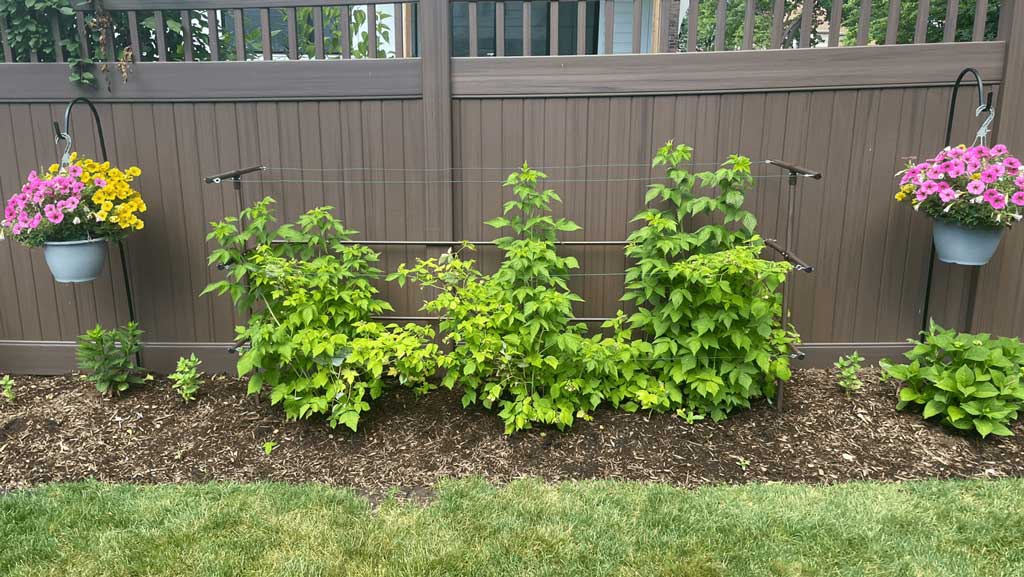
(61, 429)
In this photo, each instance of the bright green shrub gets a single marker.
(311, 338)
(108, 357)
(515, 344)
(707, 304)
(967, 381)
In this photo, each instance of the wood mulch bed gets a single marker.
(61, 429)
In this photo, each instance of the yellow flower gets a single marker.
(907, 189)
(900, 196)
(976, 176)
(134, 171)
(74, 155)
(139, 225)
(86, 177)
(101, 215)
(107, 206)
(54, 168)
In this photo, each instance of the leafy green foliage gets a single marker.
(268, 447)
(311, 339)
(515, 344)
(849, 372)
(971, 382)
(7, 384)
(763, 12)
(185, 378)
(29, 32)
(109, 358)
(706, 303)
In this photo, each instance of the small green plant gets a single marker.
(743, 463)
(971, 382)
(108, 357)
(185, 378)
(849, 372)
(8, 387)
(269, 446)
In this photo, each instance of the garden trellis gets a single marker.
(791, 172)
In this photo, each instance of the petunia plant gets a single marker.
(83, 200)
(977, 187)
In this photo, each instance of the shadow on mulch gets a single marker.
(61, 429)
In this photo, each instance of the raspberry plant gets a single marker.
(310, 334)
(515, 346)
(706, 302)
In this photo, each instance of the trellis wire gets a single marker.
(547, 167)
(459, 181)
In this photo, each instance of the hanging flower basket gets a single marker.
(973, 195)
(72, 211)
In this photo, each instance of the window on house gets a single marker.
(539, 27)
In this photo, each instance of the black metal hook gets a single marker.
(984, 103)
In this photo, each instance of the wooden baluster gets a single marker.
(921, 27)
(268, 50)
(213, 23)
(692, 17)
(318, 32)
(980, 20)
(5, 43)
(133, 35)
(371, 30)
(748, 26)
(474, 46)
(239, 34)
(609, 26)
(581, 26)
(186, 34)
(399, 37)
(778, 16)
(893, 22)
(949, 29)
(527, 27)
(806, 23)
(720, 18)
(293, 35)
(835, 23)
(864, 24)
(637, 25)
(161, 39)
(345, 25)
(553, 28)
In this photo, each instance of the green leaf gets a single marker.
(933, 408)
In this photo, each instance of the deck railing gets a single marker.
(245, 30)
(225, 30)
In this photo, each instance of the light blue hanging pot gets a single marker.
(76, 261)
(955, 244)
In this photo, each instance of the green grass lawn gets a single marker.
(923, 529)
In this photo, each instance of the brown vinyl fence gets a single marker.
(410, 142)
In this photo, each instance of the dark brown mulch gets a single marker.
(61, 429)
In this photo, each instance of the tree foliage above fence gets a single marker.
(792, 20)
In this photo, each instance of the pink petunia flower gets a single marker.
(976, 187)
(1011, 162)
(99, 182)
(929, 187)
(989, 175)
(934, 172)
(75, 171)
(998, 202)
(999, 150)
(947, 194)
(1018, 198)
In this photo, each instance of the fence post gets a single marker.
(999, 292)
(435, 58)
